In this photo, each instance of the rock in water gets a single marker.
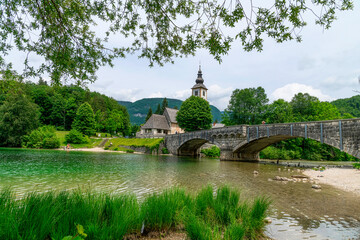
(315, 186)
(267, 220)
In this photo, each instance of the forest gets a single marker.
(27, 106)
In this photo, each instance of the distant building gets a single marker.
(160, 125)
(199, 89)
(217, 125)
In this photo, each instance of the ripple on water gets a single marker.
(298, 212)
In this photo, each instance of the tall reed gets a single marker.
(207, 215)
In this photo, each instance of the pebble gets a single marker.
(315, 186)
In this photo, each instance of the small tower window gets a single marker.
(204, 93)
(196, 93)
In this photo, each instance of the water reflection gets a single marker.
(298, 211)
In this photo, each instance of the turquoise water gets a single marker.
(298, 211)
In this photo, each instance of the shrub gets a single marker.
(43, 137)
(356, 165)
(52, 142)
(214, 151)
(165, 151)
(76, 137)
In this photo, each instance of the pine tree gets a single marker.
(165, 104)
(148, 114)
(158, 110)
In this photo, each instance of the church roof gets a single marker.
(199, 85)
(156, 121)
(170, 114)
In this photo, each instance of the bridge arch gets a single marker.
(192, 147)
(252, 147)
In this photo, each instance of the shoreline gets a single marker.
(344, 179)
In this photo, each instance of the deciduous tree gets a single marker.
(62, 32)
(18, 117)
(247, 106)
(85, 120)
(194, 114)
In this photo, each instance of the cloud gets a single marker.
(119, 94)
(182, 94)
(288, 91)
(156, 95)
(337, 83)
(219, 96)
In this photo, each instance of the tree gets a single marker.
(303, 106)
(164, 105)
(18, 117)
(115, 122)
(247, 106)
(148, 114)
(62, 31)
(85, 120)
(158, 109)
(194, 114)
(280, 111)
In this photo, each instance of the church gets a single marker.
(158, 126)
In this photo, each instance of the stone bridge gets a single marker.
(244, 142)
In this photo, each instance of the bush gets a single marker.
(76, 137)
(214, 151)
(356, 165)
(52, 142)
(165, 151)
(43, 137)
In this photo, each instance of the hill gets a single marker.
(139, 109)
(349, 105)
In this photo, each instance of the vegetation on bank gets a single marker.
(54, 215)
(307, 149)
(214, 151)
(25, 107)
(150, 143)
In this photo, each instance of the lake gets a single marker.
(297, 212)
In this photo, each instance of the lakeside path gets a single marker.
(345, 179)
(95, 149)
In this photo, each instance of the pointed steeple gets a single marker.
(199, 79)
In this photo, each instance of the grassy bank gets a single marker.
(93, 141)
(54, 215)
(151, 143)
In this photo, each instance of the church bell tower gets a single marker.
(199, 89)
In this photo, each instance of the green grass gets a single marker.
(151, 143)
(61, 136)
(54, 215)
(93, 143)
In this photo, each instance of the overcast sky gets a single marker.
(326, 64)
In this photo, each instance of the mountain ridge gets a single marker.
(139, 109)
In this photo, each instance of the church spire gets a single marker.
(199, 79)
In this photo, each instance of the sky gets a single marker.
(326, 64)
